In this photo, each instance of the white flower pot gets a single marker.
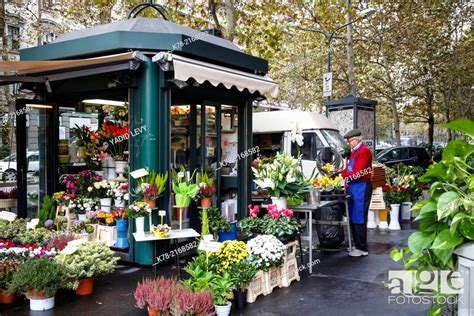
(119, 203)
(371, 219)
(279, 202)
(394, 212)
(85, 236)
(106, 204)
(120, 169)
(111, 174)
(223, 310)
(81, 217)
(140, 222)
(406, 207)
(41, 304)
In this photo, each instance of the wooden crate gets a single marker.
(272, 279)
(256, 287)
(107, 234)
(378, 177)
(289, 268)
(377, 202)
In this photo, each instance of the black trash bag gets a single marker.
(330, 236)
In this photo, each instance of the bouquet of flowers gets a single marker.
(282, 177)
(115, 139)
(87, 139)
(138, 209)
(119, 214)
(106, 218)
(64, 198)
(120, 191)
(101, 189)
(327, 184)
(265, 251)
(393, 195)
(80, 182)
(82, 204)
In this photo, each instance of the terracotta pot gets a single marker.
(6, 298)
(177, 212)
(206, 202)
(152, 311)
(86, 287)
(151, 203)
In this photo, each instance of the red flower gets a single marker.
(385, 188)
(395, 189)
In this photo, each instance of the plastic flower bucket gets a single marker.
(232, 235)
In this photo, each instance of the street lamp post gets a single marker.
(329, 36)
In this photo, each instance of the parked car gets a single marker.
(8, 165)
(409, 155)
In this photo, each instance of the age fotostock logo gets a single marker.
(410, 284)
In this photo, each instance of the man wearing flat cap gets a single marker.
(358, 174)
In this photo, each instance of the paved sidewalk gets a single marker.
(340, 285)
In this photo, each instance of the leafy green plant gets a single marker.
(40, 236)
(446, 219)
(11, 230)
(279, 227)
(36, 277)
(153, 177)
(48, 211)
(7, 267)
(216, 221)
(183, 188)
(221, 286)
(242, 273)
(91, 259)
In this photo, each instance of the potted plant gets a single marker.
(121, 195)
(90, 260)
(151, 187)
(281, 178)
(8, 198)
(217, 223)
(265, 252)
(184, 190)
(242, 273)
(122, 228)
(8, 266)
(206, 189)
(221, 287)
(393, 196)
(82, 229)
(81, 205)
(138, 211)
(279, 223)
(38, 279)
(105, 193)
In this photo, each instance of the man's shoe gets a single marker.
(358, 253)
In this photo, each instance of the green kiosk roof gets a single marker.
(146, 34)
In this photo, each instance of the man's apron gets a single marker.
(357, 191)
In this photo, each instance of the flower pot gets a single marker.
(122, 229)
(151, 203)
(293, 202)
(395, 210)
(232, 235)
(179, 213)
(106, 204)
(111, 174)
(119, 203)
(240, 299)
(86, 286)
(6, 298)
(120, 169)
(152, 311)
(182, 200)
(313, 197)
(81, 217)
(140, 223)
(85, 236)
(406, 207)
(223, 310)
(206, 202)
(39, 301)
(383, 214)
(371, 219)
(280, 202)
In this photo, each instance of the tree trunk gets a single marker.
(447, 114)
(350, 52)
(393, 100)
(231, 19)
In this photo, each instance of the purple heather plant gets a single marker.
(49, 224)
(60, 242)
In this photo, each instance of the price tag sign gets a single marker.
(139, 173)
(209, 246)
(208, 237)
(161, 213)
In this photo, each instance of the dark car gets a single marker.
(409, 155)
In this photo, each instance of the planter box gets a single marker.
(107, 234)
(256, 287)
(7, 203)
(289, 268)
(272, 279)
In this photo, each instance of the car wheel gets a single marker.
(9, 175)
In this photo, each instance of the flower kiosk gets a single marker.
(116, 98)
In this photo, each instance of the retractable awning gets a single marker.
(53, 70)
(185, 68)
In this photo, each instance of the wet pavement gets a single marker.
(339, 285)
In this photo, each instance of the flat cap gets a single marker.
(352, 133)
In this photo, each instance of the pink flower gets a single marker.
(273, 211)
(288, 212)
(253, 210)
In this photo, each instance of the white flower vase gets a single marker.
(371, 219)
(140, 223)
(406, 207)
(119, 203)
(223, 310)
(120, 169)
(279, 202)
(111, 174)
(41, 304)
(394, 212)
(106, 204)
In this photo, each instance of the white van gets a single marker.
(271, 132)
